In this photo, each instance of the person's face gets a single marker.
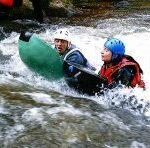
(61, 45)
(106, 55)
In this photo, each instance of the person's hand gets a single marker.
(71, 68)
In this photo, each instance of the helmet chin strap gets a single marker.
(69, 44)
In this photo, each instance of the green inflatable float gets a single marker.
(40, 56)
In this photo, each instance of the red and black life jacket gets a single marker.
(109, 72)
(8, 3)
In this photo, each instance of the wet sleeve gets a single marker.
(124, 76)
(77, 58)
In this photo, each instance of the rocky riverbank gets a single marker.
(69, 12)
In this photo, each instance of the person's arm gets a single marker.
(76, 58)
(124, 76)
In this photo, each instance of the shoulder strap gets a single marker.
(69, 53)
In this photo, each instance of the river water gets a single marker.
(36, 113)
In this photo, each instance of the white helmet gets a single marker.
(63, 34)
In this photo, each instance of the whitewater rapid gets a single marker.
(90, 40)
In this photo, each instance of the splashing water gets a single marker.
(53, 106)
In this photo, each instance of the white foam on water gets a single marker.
(33, 115)
(90, 40)
(68, 110)
(40, 97)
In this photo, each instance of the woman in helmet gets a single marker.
(119, 68)
(69, 53)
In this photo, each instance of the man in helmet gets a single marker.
(119, 68)
(69, 53)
